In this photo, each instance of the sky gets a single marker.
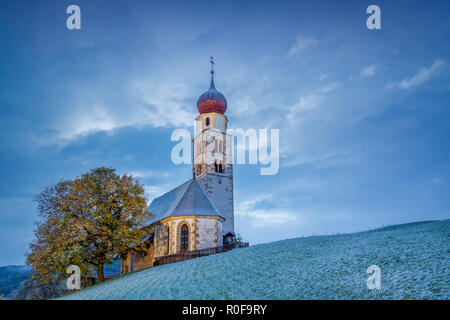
(363, 114)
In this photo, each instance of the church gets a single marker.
(198, 214)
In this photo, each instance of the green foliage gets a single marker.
(91, 221)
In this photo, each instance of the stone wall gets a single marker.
(161, 240)
(206, 236)
(204, 232)
(219, 188)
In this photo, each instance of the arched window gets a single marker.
(184, 239)
(207, 122)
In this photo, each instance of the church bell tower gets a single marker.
(212, 165)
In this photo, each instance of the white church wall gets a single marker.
(206, 233)
(219, 188)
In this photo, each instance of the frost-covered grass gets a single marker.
(414, 262)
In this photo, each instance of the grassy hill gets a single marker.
(414, 262)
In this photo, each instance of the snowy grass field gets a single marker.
(414, 262)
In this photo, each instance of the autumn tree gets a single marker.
(93, 220)
(56, 244)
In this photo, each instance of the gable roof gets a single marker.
(185, 200)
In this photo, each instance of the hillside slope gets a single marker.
(11, 277)
(414, 262)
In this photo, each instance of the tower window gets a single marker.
(184, 239)
(218, 167)
(207, 122)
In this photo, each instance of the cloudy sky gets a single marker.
(364, 115)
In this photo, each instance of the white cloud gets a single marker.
(262, 215)
(326, 160)
(435, 180)
(166, 102)
(148, 173)
(243, 105)
(152, 103)
(422, 76)
(268, 58)
(82, 122)
(310, 101)
(154, 191)
(301, 44)
(368, 71)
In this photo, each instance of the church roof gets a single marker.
(185, 200)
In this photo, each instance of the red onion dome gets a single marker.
(212, 100)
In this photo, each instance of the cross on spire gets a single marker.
(212, 73)
(212, 64)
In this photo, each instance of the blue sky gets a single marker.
(363, 114)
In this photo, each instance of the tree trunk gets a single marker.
(100, 276)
